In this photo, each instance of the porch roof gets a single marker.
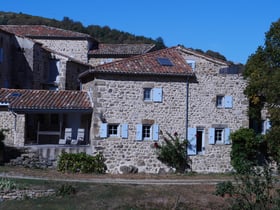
(21, 99)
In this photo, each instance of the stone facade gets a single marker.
(77, 49)
(205, 114)
(14, 126)
(118, 100)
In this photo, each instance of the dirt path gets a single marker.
(138, 179)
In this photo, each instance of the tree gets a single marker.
(263, 73)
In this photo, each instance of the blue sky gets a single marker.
(234, 28)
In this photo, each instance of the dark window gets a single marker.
(164, 62)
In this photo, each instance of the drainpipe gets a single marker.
(187, 107)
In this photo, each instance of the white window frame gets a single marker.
(141, 131)
(191, 63)
(223, 137)
(147, 129)
(115, 128)
(122, 130)
(152, 95)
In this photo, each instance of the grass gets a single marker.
(114, 196)
(118, 197)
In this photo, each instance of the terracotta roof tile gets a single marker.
(147, 64)
(121, 49)
(20, 99)
(36, 31)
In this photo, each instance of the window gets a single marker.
(191, 63)
(1, 55)
(164, 62)
(219, 136)
(266, 125)
(224, 101)
(147, 94)
(113, 130)
(152, 94)
(147, 132)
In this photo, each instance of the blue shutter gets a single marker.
(211, 135)
(139, 128)
(155, 132)
(103, 130)
(227, 135)
(191, 141)
(157, 94)
(268, 125)
(228, 102)
(124, 133)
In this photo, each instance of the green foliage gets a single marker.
(263, 73)
(82, 163)
(248, 150)
(224, 188)
(7, 184)
(174, 153)
(255, 189)
(66, 189)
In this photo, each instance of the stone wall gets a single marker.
(77, 49)
(119, 99)
(215, 160)
(204, 113)
(15, 126)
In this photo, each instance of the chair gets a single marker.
(67, 136)
(80, 137)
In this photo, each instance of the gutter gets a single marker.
(187, 107)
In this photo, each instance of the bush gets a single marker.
(174, 153)
(82, 163)
(224, 188)
(65, 189)
(7, 185)
(248, 150)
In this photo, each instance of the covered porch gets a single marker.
(57, 128)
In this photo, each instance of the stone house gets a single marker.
(138, 100)
(42, 67)
(52, 58)
(217, 106)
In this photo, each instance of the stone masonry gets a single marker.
(119, 99)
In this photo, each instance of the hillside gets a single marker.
(102, 34)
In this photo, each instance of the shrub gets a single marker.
(65, 189)
(248, 150)
(7, 184)
(173, 152)
(224, 188)
(82, 163)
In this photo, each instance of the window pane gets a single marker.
(218, 135)
(113, 130)
(219, 101)
(146, 131)
(147, 94)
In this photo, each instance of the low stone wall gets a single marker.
(216, 160)
(25, 194)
